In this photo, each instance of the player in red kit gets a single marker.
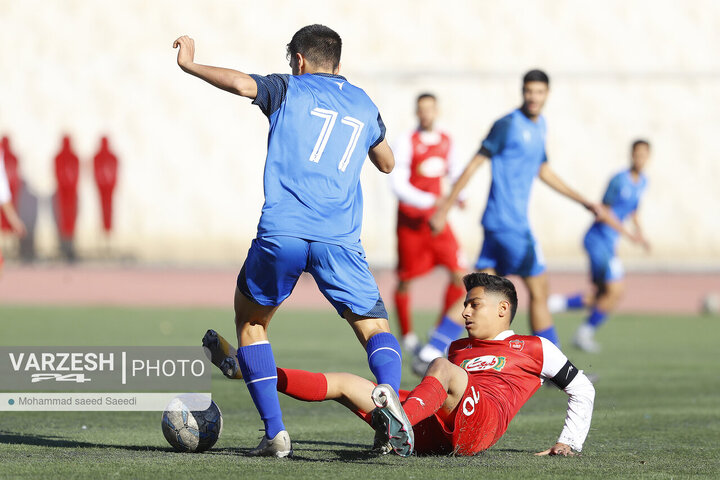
(464, 403)
(422, 159)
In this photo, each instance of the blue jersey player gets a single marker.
(321, 129)
(621, 198)
(515, 147)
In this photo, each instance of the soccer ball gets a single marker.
(189, 429)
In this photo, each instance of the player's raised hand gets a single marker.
(186, 54)
(557, 449)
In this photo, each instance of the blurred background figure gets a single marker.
(6, 205)
(67, 171)
(423, 157)
(13, 179)
(105, 166)
(622, 198)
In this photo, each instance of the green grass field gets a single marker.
(657, 410)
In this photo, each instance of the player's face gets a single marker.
(640, 157)
(534, 97)
(482, 314)
(426, 113)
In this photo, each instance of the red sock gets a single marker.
(424, 400)
(452, 295)
(302, 385)
(402, 306)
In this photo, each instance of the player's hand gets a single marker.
(597, 209)
(557, 449)
(19, 229)
(642, 241)
(438, 220)
(186, 54)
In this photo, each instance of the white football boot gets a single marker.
(391, 421)
(584, 339)
(411, 343)
(278, 446)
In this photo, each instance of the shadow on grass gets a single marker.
(15, 438)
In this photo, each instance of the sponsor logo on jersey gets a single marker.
(486, 362)
(517, 345)
(432, 167)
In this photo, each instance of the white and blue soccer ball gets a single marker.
(190, 429)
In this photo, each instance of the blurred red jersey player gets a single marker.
(6, 203)
(423, 158)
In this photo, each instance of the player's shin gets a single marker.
(260, 374)
(385, 359)
(424, 400)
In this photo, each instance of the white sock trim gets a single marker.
(385, 348)
(260, 379)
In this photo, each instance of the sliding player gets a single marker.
(516, 148)
(6, 204)
(464, 403)
(622, 198)
(422, 158)
(321, 129)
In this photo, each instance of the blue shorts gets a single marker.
(511, 253)
(274, 264)
(604, 265)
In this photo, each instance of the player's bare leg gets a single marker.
(608, 296)
(541, 320)
(409, 340)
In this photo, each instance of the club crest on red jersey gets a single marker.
(486, 362)
(517, 345)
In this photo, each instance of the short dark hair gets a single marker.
(495, 284)
(639, 142)
(321, 45)
(536, 76)
(426, 95)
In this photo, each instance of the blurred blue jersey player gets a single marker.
(321, 129)
(516, 148)
(621, 198)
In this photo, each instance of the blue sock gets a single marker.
(575, 302)
(257, 365)
(444, 334)
(385, 359)
(550, 334)
(596, 318)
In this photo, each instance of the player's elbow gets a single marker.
(387, 166)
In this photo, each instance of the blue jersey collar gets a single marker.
(329, 75)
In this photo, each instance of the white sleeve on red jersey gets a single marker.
(5, 195)
(400, 177)
(581, 396)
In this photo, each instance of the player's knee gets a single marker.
(538, 288)
(403, 286)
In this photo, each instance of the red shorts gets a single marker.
(419, 250)
(475, 425)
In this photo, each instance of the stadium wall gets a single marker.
(191, 156)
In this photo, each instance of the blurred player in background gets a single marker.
(465, 403)
(516, 148)
(17, 225)
(422, 158)
(321, 129)
(621, 198)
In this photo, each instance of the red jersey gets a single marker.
(422, 160)
(507, 372)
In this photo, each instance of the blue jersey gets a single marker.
(623, 197)
(321, 128)
(516, 147)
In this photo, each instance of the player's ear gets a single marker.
(300, 64)
(503, 309)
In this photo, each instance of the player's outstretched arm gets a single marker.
(548, 176)
(439, 218)
(224, 78)
(608, 217)
(381, 156)
(639, 235)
